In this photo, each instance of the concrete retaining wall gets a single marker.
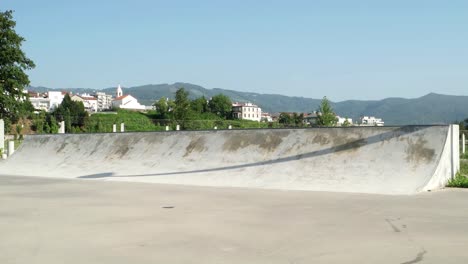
(386, 160)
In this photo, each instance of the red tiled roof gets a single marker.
(121, 97)
(88, 98)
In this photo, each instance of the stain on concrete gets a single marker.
(417, 152)
(321, 140)
(44, 140)
(394, 227)
(268, 141)
(196, 144)
(62, 147)
(122, 150)
(419, 258)
(346, 142)
(98, 144)
(122, 145)
(154, 138)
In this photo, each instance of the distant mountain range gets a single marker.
(429, 109)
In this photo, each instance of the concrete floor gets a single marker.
(89, 221)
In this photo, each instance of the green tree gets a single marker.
(285, 119)
(199, 105)
(326, 116)
(13, 64)
(346, 123)
(46, 127)
(181, 106)
(298, 119)
(163, 106)
(38, 122)
(73, 113)
(53, 125)
(221, 105)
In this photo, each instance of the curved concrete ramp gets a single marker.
(386, 160)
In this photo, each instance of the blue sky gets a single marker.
(341, 49)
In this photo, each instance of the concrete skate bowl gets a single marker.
(384, 160)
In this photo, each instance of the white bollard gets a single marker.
(11, 147)
(4, 156)
(215, 128)
(122, 127)
(463, 143)
(2, 135)
(114, 128)
(167, 128)
(229, 127)
(62, 127)
(177, 128)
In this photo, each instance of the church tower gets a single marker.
(119, 91)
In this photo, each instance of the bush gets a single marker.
(459, 181)
(464, 155)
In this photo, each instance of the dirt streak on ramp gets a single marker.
(387, 160)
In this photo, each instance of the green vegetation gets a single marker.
(134, 121)
(44, 123)
(220, 105)
(326, 116)
(464, 156)
(137, 121)
(73, 113)
(291, 120)
(13, 79)
(459, 181)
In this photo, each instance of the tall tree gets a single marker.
(221, 105)
(326, 116)
(182, 105)
(13, 63)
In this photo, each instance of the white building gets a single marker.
(48, 101)
(55, 98)
(247, 111)
(89, 102)
(104, 101)
(40, 103)
(371, 121)
(126, 101)
(266, 117)
(341, 120)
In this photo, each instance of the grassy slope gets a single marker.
(136, 121)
